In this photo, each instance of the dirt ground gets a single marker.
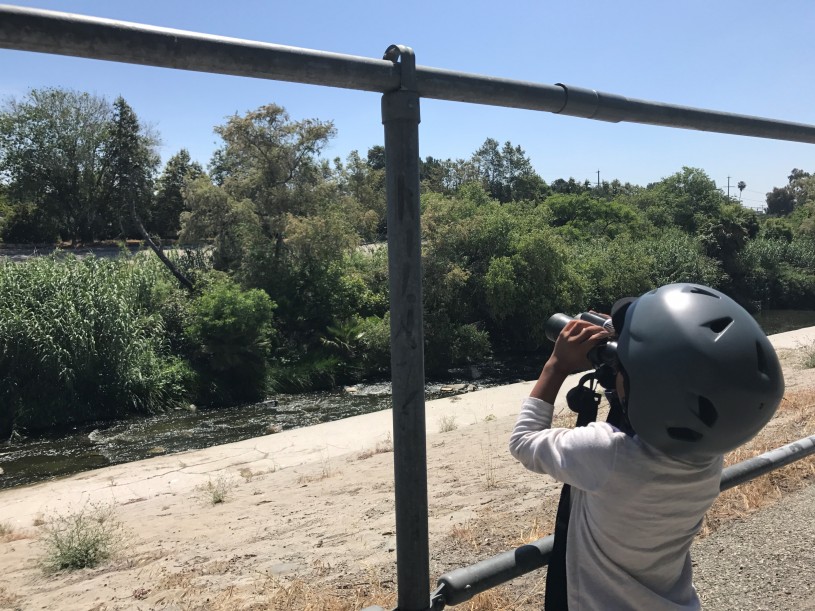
(316, 535)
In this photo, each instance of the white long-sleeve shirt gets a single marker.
(634, 511)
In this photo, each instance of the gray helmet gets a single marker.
(702, 376)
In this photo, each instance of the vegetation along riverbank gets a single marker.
(284, 296)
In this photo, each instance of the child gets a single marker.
(696, 377)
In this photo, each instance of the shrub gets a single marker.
(231, 330)
(81, 539)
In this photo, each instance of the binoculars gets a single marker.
(604, 353)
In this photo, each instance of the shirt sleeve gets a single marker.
(582, 457)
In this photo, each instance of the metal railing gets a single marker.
(402, 84)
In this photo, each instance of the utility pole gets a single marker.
(728, 187)
(598, 179)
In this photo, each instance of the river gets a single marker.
(25, 461)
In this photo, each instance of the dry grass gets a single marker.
(465, 534)
(537, 530)
(8, 533)
(271, 593)
(218, 491)
(381, 447)
(249, 474)
(8, 600)
(795, 419)
(326, 470)
(447, 424)
(490, 476)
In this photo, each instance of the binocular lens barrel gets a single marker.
(556, 322)
(555, 325)
(604, 353)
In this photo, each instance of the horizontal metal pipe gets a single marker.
(769, 461)
(43, 31)
(460, 585)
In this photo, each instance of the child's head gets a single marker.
(701, 376)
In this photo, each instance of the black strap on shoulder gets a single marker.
(584, 400)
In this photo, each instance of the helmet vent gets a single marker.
(707, 412)
(700, 291)
(681, 433)
(761, 359)
(719, 325)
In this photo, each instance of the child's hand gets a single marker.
(573, 344)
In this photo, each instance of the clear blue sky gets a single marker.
(747, 56)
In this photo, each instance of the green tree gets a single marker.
(272, 160)
(363, 189)
(683, 200)
(567, 186)
(506, 172)
(278, 218)
(583, 216)
(269, 164)
(130, 164)
(491, 268)
(52, 157)
(165, 219)
(780, 201)
(210, 212)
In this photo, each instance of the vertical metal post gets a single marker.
(400, 116)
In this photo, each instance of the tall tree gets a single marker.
(270, 180)
(131, 165)
(52, 158)
(169, 200)
(506, 172)
(272, 160)
(780, 201)
(131, 161)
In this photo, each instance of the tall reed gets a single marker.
(80, 340)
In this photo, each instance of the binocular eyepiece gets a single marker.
(602, 354)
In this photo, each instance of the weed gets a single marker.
(447, 424)
(381, 447)
(218, 491)
(491, 481)
(465, 534)
(81, 539)
(809, 356)
(326, 471)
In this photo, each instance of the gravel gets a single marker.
(763, 563)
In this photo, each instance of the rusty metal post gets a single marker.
(400, 116)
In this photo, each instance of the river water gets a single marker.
(95, 445)
(25, 461)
